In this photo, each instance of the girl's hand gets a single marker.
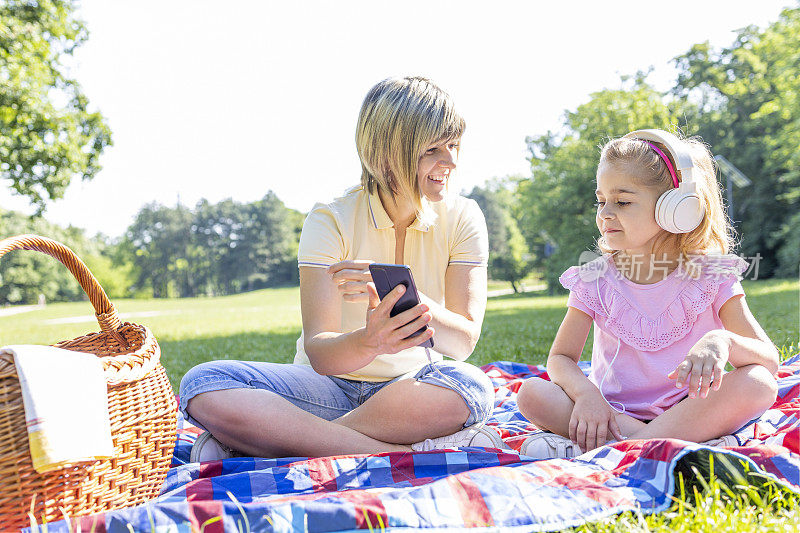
(704, 365)
(351, 278)
(384, 334)
(593, 422)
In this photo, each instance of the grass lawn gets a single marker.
(264, 325)
(531, 280)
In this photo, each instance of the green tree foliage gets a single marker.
(160, 246)
(48, 136)
(24, 275)
(744, 100)
(214, 249)
(746, 103)
(116, 279)
(221, 248)
(556, 205)
(272, 236)
(509, 258)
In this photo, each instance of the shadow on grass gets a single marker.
(178, 356)
(525, 295)
(703, 470)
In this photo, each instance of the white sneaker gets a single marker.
(474, 435)
(725, 440)
(546, 445)
(207, 448)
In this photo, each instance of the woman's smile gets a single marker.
(435, 167)
(440, 179)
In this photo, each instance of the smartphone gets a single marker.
(386, 277)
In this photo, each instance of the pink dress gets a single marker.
(656, 325)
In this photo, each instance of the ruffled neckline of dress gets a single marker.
(599, 285)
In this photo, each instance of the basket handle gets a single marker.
(106, 314)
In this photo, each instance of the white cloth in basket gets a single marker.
(66, 405)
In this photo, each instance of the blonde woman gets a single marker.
(357, 384)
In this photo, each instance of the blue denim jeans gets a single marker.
(330, 397)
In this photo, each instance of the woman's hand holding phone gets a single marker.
(385, 334)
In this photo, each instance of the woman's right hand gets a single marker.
(593, 422)
(385, 334)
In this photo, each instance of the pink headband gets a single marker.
(666, 160)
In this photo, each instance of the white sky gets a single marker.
(210, 99)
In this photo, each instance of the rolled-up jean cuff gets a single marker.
(477, 411)
(206, 385)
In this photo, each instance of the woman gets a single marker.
(358, 384)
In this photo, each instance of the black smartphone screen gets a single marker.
(388, 276)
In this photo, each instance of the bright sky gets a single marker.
(210, 99)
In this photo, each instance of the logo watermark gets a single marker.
(592, 266)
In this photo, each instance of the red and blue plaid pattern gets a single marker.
(472, 488)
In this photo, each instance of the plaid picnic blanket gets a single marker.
(472, 488)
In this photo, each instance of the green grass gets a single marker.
(732, 500)
(264, 325)
(260, 325)
(533, 279)
(521, 327)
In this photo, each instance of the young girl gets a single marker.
(668, 311)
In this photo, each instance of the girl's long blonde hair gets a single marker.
(635, 157)
(399, 119)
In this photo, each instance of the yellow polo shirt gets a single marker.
(356, 226)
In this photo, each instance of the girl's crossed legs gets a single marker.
(744, 393)
(278, 410)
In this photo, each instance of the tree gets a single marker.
(556, 206)
(221, 248)
(273, 235)
(24, 275)
(249, 245)
(746, 104)
(48, 136)
(509, 258)
(217, 231)
(158, 243)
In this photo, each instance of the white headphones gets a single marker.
(678, 210)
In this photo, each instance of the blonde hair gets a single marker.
(715, 233)
(399, 119)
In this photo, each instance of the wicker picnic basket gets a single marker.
(141, 407)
